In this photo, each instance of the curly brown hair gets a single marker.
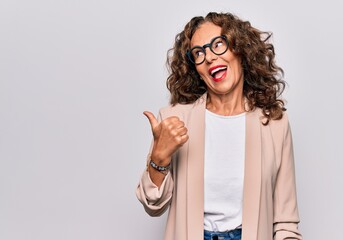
(263, 79)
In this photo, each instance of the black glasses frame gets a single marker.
(203, 48)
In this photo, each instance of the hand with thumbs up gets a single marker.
(169, 135)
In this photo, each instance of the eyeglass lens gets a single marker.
(218, 46)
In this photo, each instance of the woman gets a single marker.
(222, 157)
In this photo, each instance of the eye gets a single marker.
(197, 53)
(218, 43)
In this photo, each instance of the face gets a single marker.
(222, 74)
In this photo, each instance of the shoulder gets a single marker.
(275, 130)
(175, 109)
(278, 129)
(258, 114)
(182, 110)
(280, 124)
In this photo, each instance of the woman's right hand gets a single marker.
(169, 135)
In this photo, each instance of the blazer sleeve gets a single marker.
(155, 200)
(286, 217)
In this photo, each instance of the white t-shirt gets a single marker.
(224, 171)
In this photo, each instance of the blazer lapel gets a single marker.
(195, 170)
(252, 176)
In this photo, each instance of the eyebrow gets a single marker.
(201, 45)
(198, 45)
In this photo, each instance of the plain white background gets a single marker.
(75, 77)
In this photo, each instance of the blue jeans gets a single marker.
(229, 235)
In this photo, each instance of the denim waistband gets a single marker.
(228, 235)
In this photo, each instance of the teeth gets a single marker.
(217, 69)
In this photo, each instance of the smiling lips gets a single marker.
(218, 73)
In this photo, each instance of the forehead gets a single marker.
(205, 33)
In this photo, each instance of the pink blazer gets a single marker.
(269, 195)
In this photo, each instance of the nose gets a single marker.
(210, 56)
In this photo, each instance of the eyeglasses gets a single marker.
(218, 46)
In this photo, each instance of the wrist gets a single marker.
(162, 169)
(160, 159)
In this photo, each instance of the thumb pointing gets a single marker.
(153, 121)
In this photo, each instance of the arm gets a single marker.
(155, 189)
(155, 199)
(286, 216)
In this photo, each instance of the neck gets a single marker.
(226, 105)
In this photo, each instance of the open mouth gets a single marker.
(218, 73)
